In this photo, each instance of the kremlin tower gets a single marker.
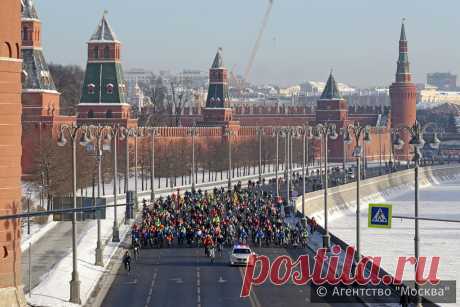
(103, 95)
(218, 111)
(332, 108)
(40, 100)
(403, 97)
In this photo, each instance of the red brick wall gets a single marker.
(39, 103)
(10, 140)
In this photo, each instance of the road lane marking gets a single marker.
(198, 283)
(149, 297)
(198, 287)
(252, 295)
(221, 280)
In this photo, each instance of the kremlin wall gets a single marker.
(103, 101)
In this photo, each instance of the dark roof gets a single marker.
(38, 76)
(104, 32)
(331, 91)
(403, 32)
(28, 9)
(218, 60)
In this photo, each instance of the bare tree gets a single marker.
(156, 114)
(176, 100)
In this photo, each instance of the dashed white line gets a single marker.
(198, 287)
(149, 297)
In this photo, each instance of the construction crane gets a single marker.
(258, 40)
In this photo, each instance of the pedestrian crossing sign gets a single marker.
(379, 216)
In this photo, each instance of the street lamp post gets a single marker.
(153, 134)
(286, 133)
(97, 133)
(364, 164)
(305, 132)
(260, 134)
(324, 132)
(139, 132)
(276, 134)
(416, 132)
(115, 134)
(229, 133)
(358, 132)
(380, 131)
(73, 133)
(193, 132)
(29, 195)
(125, 134)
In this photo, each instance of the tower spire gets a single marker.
(331, 91)
(104, 31)
(403, 31)
(218, 60)
(403, 74)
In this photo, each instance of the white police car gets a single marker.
(240, 255)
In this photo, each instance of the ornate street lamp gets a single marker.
(358, 132)
(323, 132)
(74, 133)
(276, 133)
(97, 135)
(193, 133)
(229, 133)
(417, 141)
(153, 132)
(306, 133)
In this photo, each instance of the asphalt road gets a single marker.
(48, 251)
(184, 277)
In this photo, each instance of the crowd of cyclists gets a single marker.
(219, 219)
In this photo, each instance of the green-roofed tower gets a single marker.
(103, 94)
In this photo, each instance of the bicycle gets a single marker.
(212, 253)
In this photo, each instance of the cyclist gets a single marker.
(127, 261)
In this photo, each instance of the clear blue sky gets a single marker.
(303, 41)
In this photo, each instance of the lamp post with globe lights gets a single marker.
(416, 132)
(323, 132)
(75, 134)
(358, 132)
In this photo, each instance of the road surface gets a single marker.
(183, 277)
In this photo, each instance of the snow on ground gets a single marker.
(437, 200)
(37, 231)
(54, 290)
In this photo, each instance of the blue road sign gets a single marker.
(379, 216)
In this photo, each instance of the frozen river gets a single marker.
(437, 200)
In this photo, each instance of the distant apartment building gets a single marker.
(290, 91)
(194, 79)
(443, 81)
(432, 96)
(138, 75)
(316, 88)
